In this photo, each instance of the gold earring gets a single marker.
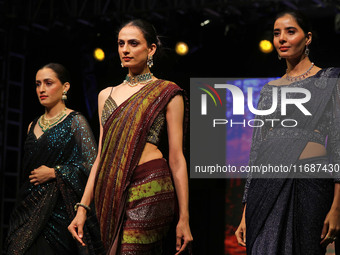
(149, 62)
(64, 97)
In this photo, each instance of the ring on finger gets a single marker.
(331, 238)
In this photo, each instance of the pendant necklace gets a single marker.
(299, 77)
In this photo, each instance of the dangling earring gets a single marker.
(121, 63)
(279, 57)
(307, 51)
(64, 97)
(149, 62)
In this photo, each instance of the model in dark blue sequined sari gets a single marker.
(285, 215)
(43, 212)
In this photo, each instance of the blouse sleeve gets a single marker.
(75, 171)
(333, 141)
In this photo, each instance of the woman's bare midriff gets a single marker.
(313, 150)
(150, 152)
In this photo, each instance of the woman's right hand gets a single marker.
(241, 230)
(77, 225)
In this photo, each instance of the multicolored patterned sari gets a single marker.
(124, 138)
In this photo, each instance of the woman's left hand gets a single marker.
(331, 227)
(41, 175)
(183, 237)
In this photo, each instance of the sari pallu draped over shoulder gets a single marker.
(124, 138)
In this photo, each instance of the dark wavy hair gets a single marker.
(62, 74)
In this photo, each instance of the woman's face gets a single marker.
(289, 38)
(49, 88)
(132, 47)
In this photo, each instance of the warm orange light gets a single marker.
(99, 54)
(266, 46)
(182, 48)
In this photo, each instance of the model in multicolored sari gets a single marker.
(59, 152)
(131, 182)
(296, 213)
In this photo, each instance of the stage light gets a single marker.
(99, 54)
(182, 48)
(266, 46)
(204, 23)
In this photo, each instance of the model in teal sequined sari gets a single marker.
(44, 211)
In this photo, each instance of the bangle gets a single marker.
(82, 205)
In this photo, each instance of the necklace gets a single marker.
(299, 77)
(45, 123)
(138, 79)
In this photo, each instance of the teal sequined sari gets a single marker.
(43, 212)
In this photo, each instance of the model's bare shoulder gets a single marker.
(104, 93)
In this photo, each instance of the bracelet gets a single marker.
(82, 205)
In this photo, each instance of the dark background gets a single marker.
(36, 32)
